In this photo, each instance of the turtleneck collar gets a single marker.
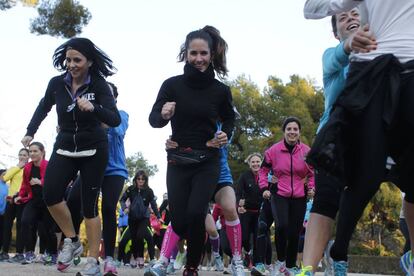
(197, 79)
(290, 147)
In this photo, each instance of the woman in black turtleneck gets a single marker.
(194, 102)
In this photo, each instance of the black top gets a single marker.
(36, 189)
(249, 190)
(164, 210)
(147, 195)
(201, 101)
(78, 130)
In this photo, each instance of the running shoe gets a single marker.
(280, 269)
(327, 260)
(248, 261)
(340, 268)
(29, 257)
(110, 267)
(258, 270)
(237, 268)
(50, 259)
(133, 263)
(406, 261)
(70, 251)
(40, 258)
(91, 268)
(305, 271)
(158, 269)
(140, 262)
(190, 271)
(180, 260)
(4, 257)
(170, 268)
(18, 258)
(218, 263)
(293, 271)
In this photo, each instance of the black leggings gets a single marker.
(365, 163)
(61, 170)
(289, 222)
(328, 190)
(111, 190)
(248, 222)
(124, 253)
(190, 188)
(263, 253)
(139, 232)
(13, 211)
(74, 203)
(34, 212)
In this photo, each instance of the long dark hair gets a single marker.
(218, 48)
(143, 174)
(101, 63)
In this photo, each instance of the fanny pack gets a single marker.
(187, 156)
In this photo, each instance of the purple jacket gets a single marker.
(291, 170)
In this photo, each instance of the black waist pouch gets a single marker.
(188, 156)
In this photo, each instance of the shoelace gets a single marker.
(304, 270)
(340, 268)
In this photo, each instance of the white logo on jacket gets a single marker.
(89, 96)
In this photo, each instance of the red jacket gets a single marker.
(25, 192)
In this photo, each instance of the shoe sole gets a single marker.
(150, 273)
(62, 267)
(110, 274)
(256, 272)
(80, 274)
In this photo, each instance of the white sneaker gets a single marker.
(69, 251)
(237, 268)
(280, 269)
(91, 268)
(180, 260)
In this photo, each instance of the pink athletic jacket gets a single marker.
(291, 170)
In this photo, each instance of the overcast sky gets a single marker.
(265, 37)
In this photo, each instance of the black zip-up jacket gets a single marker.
(201, 101)
(380, 75)
(147, 195)
(249, 190)
(79, 130)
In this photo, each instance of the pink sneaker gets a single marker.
(110, 267)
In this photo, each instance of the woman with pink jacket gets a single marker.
(295, 181)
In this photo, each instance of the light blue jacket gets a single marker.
(117, 160)
(335, 62)
(225, 173)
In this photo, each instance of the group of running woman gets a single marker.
(367, 80)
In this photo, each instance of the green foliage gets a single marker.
(262, 114)
(377, 231)
(138, 162)
(61, 18)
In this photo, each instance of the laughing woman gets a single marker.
(83, 102)
(295, 181)
(194, 102)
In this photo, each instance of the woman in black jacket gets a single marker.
(136, 201)
(83, 102)
(249, 199)
(194, 102)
